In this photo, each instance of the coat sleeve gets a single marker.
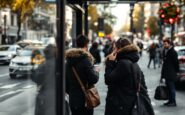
(92, 75)
(115, 72)
(175, 61)
(143, 85)
(38, 75)
(67, 78)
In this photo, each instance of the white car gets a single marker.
(25, 61)
(7, 52)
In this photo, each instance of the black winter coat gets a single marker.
(44, 77)
(96, 54)
(83, 63)
(170, 65)
(119, 77)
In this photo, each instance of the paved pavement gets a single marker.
(152, 77)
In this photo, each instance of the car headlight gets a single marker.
(9, 55)
(12, 63)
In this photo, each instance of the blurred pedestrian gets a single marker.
(152, 54)
(121, 67)
(170, 68)
(82, 61)
(95, 52)
(44, 77)
(140, 45)
(108, 48)
(158, 59)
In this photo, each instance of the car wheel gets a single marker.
(12, 76)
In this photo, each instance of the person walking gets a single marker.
(169, 71)
(44, 77)
(82, 61)
(120, 71)
(95, 52)
(152, 54)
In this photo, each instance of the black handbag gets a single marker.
(142, 105)
(161, 92)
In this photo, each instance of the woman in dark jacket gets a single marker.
(82, 61)
(119, 77)
(44, 77)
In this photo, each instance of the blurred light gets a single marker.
(171, 20)
(162, 16)
(95, 23)
(89, 18)
(101, 34)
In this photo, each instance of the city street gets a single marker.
(17, 97)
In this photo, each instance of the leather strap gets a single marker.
(79, 81)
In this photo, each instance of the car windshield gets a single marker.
(7, 48)
(181, 52)
(25, 53)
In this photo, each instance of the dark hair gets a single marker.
(167, 40)
(81, 41)
(50, 51)
(122, 42)
(95, 45)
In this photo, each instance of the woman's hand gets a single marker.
(112, 56)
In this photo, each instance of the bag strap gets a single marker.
(137, 85)
(79, 81)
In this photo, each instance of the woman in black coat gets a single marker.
(119, 77)
(44, 77)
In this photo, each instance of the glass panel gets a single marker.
(28, 59)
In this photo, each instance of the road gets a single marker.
(17, 96)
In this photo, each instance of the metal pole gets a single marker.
(60, 68)
(131, 17)
(5, 17)
(86, 19)
(79, 20)
(172, 31)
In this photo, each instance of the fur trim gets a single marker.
(129, 48)
(78, 52)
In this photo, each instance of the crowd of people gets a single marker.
(122, 74)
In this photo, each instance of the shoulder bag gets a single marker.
(142, 105)
(91, 94)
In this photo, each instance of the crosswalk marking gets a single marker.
(9, 86)
(10, 93)
(4, 75)
(28, 86)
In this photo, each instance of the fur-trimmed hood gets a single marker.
(128, 49)
(128, 52)
(75, 54)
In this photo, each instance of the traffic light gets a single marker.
(100, 24)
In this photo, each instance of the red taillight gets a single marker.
(181, 60)
(182, 75)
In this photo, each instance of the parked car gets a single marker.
(181, 57)
(28, 42)
(27, 60)
(7, 52)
